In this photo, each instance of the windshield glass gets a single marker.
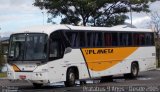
(28, 47)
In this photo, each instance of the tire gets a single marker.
(134, 71)
(70, 78)
(36, 85)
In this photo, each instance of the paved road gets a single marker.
(146, 82)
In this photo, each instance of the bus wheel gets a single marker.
(71, 77)
(134, 71)
(37, 85)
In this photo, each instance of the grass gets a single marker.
(2, 75)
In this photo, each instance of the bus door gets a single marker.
(56, 52)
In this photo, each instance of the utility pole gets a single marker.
(130, 13)
(43, 1)
(128, 2)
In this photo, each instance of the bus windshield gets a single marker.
(28, 47)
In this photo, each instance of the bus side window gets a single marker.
(142, 39)
(139, 39)
(148, 39)
(98, 39)
(81, 39)
(77, 39)
(89, 39)
(56, 48)
(108, 39)
(152, 39)
(130, 39)
(111, 39)
(125, 39)
(72, 36)
(114, 39)
(136, 39)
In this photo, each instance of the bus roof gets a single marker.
(50, 28)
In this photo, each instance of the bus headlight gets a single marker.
(39, 74)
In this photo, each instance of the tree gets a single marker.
(93, 12)
(1, 57)
(155, 23)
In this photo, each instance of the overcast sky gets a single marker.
(17, 14)
(142, 20)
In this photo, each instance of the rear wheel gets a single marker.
(134, 71)
(71, 77)
(37, 85)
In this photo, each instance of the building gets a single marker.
(4, 45)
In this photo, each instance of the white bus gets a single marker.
(60, 53)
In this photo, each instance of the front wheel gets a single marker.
(134, 71)
(71, 77)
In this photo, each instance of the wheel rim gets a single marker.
(72, 77)
(134, 70)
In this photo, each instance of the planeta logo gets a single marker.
(99, 51)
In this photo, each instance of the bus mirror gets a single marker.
(67, 50)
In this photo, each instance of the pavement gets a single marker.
(148, 81)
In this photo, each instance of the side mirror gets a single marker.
(67, 50)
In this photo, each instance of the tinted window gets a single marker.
(149, 39)
(98, 39)
(139, 39)
(90, 36)
(77, 39)
(125, 39)
(108, 39)
(111, 39)
(56, 46)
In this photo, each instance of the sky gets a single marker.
(142, 20)
(17, 14)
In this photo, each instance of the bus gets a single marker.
(65, 53)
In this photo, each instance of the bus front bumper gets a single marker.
(35, 77)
